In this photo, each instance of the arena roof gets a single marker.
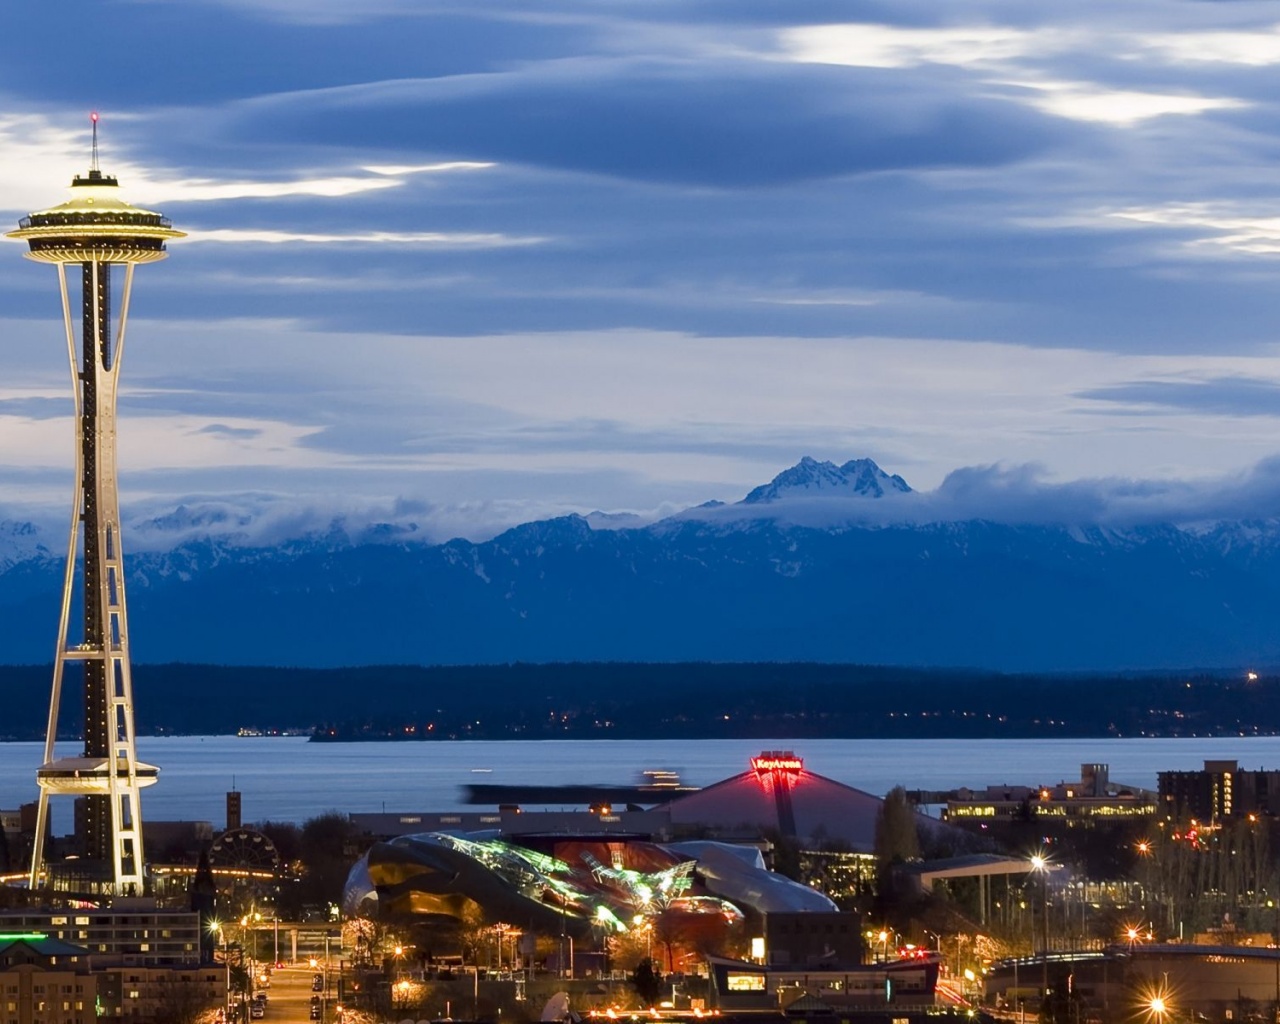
(778, 793)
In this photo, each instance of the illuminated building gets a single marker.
(744, 986)
(1220, 791)
(571, 884)
(44, 980)
(137, 936)
(1095, 799)
(777, 793)
(95, 231)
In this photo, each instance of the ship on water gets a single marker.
(653, 786)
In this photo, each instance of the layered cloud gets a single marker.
(1022, 495)
(556, 256)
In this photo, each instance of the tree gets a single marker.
(183, 1001)
(897, 840)
(329, 845)
(646, 979)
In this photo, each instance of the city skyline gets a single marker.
(481, 265)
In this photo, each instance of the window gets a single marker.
(746, 982)
(82, 920)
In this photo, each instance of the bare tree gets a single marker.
(183, 1001)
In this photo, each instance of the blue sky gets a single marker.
(474, 263)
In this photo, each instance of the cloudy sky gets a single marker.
(475, 262)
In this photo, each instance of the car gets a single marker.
(257, 1011)
(315, 1011)
(317, 982)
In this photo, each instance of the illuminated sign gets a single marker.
(777, 761)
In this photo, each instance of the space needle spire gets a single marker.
(95, 231)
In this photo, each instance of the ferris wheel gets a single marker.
(245, 850)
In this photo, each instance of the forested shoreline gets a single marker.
(639, 701)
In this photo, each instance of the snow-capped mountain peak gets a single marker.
(811, 478)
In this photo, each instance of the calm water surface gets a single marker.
(289, 779)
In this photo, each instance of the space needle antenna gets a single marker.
(93, 158)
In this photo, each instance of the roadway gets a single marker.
(289, 995)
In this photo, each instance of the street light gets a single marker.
(1040, 864)
(215, 928)
(647, 927)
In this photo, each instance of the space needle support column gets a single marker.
(68, 583)
(94, 231)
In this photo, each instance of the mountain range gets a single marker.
(826, 563)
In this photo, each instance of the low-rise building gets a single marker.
(132, 932)
(1091, 800)
(744, 986)
(44, 981)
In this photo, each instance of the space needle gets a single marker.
(95, 231)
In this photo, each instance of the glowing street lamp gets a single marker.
(1040, 865)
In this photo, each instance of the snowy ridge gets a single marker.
(810, 478)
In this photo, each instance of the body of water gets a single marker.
(290, 779)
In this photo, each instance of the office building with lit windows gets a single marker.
(136, 936)
(1221, 790)
(1094, 799)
